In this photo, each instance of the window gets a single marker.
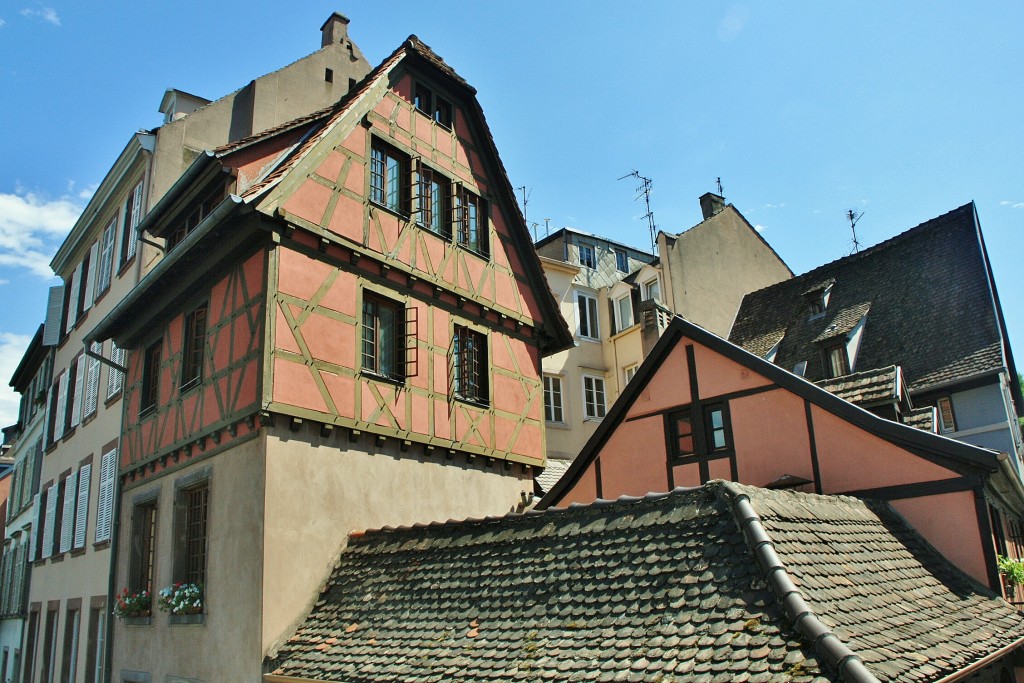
(434, 201)
(470, 217)
(105, 503)
(586, 316)
(469, 363)
(193, 347)
(115, 378)
(621, 261)
(587, 257)
(389, 170)
(69, 668)
(630, 372)
(623, 312)
(593, 397)
(194, 214)
(143, 548)
(652, 290)
(817, 300)
(383, 337)
(947, 421)
(49, 647)
(800, 369)
(92, 380)
(150, 378)
(192, 516)
(423, 99)
(434, 106)
(130, 221)
(707, 436)
(106, 257)
(837, 364)
(68, 510)
(443, 112)
(94, 656)
(553, 399)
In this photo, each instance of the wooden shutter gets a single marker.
(48, 522)
(115, 378)
(136, 216)
(37, 516)
(416, 188)
(67, 523)
(54, 307)
(90, 277)
(72, 312)
(62, 407)
(105, 266)
(82, 513)
(76, 402)
(104, 508)
(408, 343)
(92, 381)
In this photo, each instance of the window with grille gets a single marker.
(193, 347)
(193, 526)
(593, 397)
(389, 172)
(553, 399)
(433, 201)
(389, 338)
(470, 218)
(151, 377)
(469, 361)
(143, 548)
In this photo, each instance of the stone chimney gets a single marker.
(710, 204)
(334, 30)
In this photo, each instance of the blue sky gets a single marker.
(900, 111)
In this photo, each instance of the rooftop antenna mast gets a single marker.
(718, 182)
(854, 218)
(644, 190)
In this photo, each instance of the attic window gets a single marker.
(817, 300)
(837, 362)
(433, 105)
(800, 369)
(587, 258)
(947, 421)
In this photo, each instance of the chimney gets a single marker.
(710, 204)
(334, 30)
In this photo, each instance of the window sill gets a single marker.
(592, 419)
(447, 237)
(101, 545)
(138, 621)
(476, 252)
(77, 552)
(190, 385)
(68, 433)
(592, 340)
(125, 266)
(100, 296)
(178, 619)
(556, 425)
(147, 411)
(370, 374)
(478, 403)
(398, 213)
(110, 400)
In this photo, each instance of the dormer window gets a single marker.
(817, 299)
(836, 360)
(652, 290)
(587, 257)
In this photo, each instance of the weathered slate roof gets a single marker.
(551, 473)
(931, 308)
(866, 388)
(680, 586)
(921, 418)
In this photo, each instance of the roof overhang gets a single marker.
(30, 362)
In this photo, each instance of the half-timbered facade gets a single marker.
(345, 331)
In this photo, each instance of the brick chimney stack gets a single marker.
(710, 204)
(334, 30)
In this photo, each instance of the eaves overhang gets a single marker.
(30, 362)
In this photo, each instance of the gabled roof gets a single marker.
(723, 582)
(957, 455)
(932, 306)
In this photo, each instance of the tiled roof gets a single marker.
(865, 388)
(666, 587)
(921, 418)
(931, 310)
(840, 322)
(552, 473)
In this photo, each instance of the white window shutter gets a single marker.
(67, 523)
(62, 407)
(76, 403)
(92, 380)
(132, 236)
(106, 258)
(115, 378)
(51, 514)
(76, 284)
(82, 513)
(54, 307)
(37, 517)
(104, 508)
(89, 283)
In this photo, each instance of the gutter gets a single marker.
(828, 646)
(983, 662)
(101, 331)
(180, 185)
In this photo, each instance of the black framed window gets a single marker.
(143, 548)
(434, 192)
(192, 522)
(389, 173)
(470, 212)
(193, 346)
(382, 333)
(469, 360)
(707, 433)
(151, 377)
(837, 364)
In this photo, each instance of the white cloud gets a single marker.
(12, 348)
(733, 22)
(760, 228)
(2, 23)
(775, 206)
(32, 227)
(47, 14)
(4, 282)
(1012, 205)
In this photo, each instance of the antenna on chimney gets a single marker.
(854, 217)
(644, 190)
(718, 182)
(547, 227)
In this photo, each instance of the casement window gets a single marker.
(143, 546)
(96, 644)
(192, 505)
(189, 219)
(652, 290)
(105, 500)
(115, 378)
(469, 363)
(947, 420)
(817, 301)
(630, 372)
(92, 380)
(193, 347)
(587, 257)
(593, 397)
(436, 107)
(621, 261)
(150, 378)
(623, 313)
(836, 362)
(706, 434)
(433, 201)
(389, 173)
(553, 399)
(470, 218)
(586, 316)
(389, 338)
(105, 259)
(129, 222)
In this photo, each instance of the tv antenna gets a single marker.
(644, 190)
(718, 182)
(854, 218)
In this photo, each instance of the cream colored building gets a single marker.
(618, 300)
(100, 262)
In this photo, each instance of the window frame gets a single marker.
(193, 346)
(701, 433)
(654, 283)
(943, 404)
(142, 550)
(433, 218)
(620, 324)
(471, 221)
(589, 313)
(190, 561)
(149, 393)
(381, 180)
(469, 363)
(588, 258)
(621, 260)
(592, 409)
(370, 362)
(833, 352)
(554, 411)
